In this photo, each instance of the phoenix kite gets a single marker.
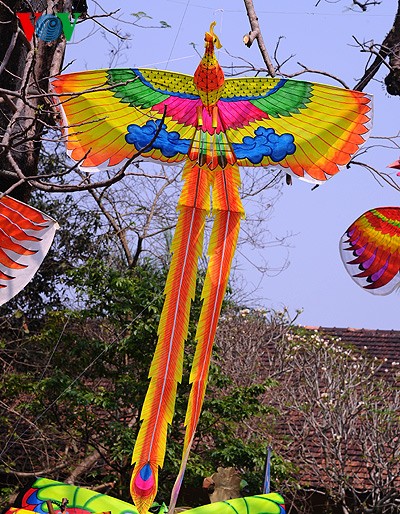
(213, 124)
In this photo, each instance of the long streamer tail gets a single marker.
(166, 368)
(228, 211)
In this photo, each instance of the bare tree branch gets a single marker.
(255, 33)
(83, 467)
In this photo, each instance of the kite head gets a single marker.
(211, 39)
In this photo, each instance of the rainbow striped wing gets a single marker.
(306, 128)
(25, 238)
(370, 250)
(111, 115)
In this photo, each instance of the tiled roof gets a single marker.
(382, 344)
(301, 431)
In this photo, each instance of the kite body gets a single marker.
(25, 238)
(370, 250)
(83, 501)
(213, 124)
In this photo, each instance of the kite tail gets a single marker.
(228, 211)
(166, 367)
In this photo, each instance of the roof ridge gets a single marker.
(352, 330)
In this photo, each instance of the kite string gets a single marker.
(220, 25)
(178, 31)
(68, 387)
(150, 65)
(7, 444)
(42, 375)
(295, 13)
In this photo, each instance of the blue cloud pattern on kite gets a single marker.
(169, 143)
(266, 143)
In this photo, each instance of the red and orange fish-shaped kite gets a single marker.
(214, 125)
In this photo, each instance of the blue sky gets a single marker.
(321, 38)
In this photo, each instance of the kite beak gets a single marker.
(395, 165)
(212, 38)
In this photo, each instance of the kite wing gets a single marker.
(25, 238)
(111, 115)
(370, 250)
(308, 129)
(271, 503)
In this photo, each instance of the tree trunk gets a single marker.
(392, 40)
(390, 48)
(24, 70)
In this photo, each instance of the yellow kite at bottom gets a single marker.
(40, 492)
(213, 124)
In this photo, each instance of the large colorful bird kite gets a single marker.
(25, 237)
(370, 250)
(214, 125)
